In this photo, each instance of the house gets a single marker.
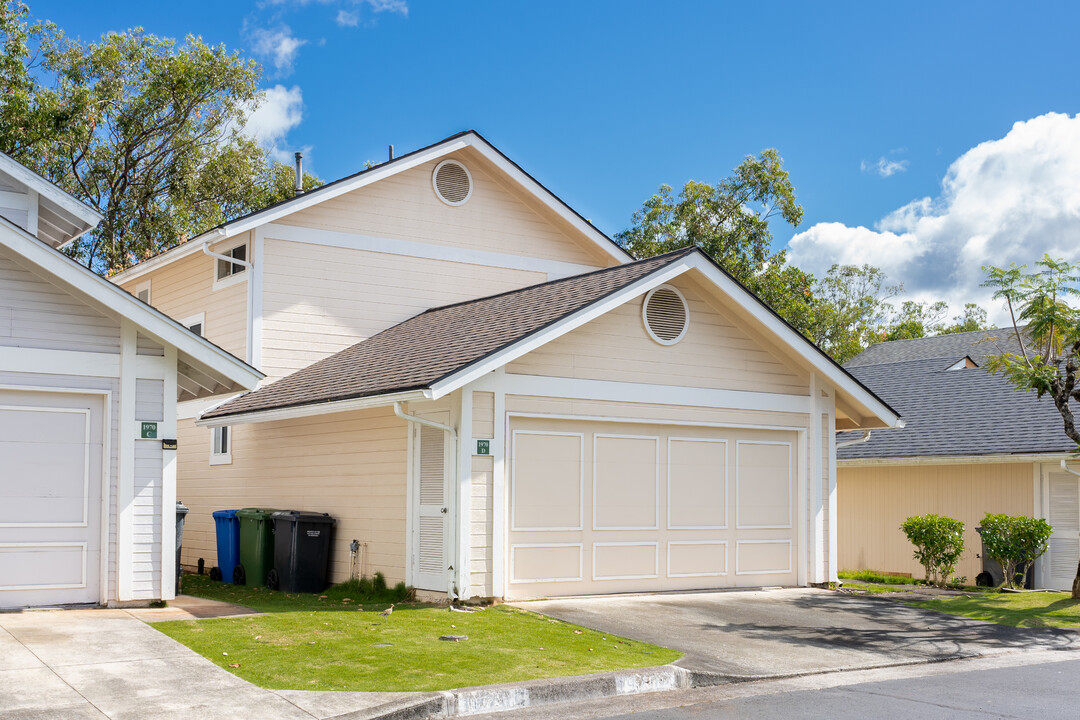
(89, 378)
(494, 401)
(972, 444)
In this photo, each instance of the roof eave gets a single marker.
(310, 410)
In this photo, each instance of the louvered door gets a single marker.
(430, 530)
(1064, 515)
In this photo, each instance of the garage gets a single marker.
(609, 507)
(51, 450)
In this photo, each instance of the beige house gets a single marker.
(494, 401)
(89, 378)
(971, 445)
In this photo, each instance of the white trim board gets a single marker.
(955, 459)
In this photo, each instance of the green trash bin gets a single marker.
(256, 547)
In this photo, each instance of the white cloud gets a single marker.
(347, 19)
(395, 6)
(884, 167)
(280, 111)
(1005, 200)
(277, 45)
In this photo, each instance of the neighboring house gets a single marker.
(972, 444)
(87, 506)
(494, 401)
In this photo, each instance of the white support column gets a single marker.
(833, 520)
(168, 480)
(125, 490)
(498, 490)
(817, 501)
(255, 298)
(464, 494)
(803, 491)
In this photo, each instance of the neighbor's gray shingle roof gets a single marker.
(439, 342)
(952, 412)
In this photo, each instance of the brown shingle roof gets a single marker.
(424, 349)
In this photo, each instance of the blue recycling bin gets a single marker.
(227, 526)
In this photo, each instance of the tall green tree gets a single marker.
(972, 319)
(730, 221)
(850, 308)
(146, 130)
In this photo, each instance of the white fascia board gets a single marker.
(191, 247)
(571, 322)
(955, 460)
(152, 322)
(43, 187)
(302, 411)
(796, 342)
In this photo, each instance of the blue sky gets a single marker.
(873, 106)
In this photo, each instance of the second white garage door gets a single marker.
(615, 507)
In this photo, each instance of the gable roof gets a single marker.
(204, 368)
(62, 218)
(444, 348)
(963, 412)
(401, 163)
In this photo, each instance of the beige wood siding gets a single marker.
(873, 502)
(319, 300)
(715, 353)
(351, 465)
(481, 524)
(483, 418)
(495, 218)
(185, 287)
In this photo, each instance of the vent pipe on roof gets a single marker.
(391, 152)
(299, 173)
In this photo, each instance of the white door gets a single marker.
(1064, 515)
(431, 524)
(51, 447)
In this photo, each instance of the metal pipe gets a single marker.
(206, 250)
(452, 591)
(856, 441)
(1066, 468)
(299, 173)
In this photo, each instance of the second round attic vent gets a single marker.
(452, 181)
(666, 315)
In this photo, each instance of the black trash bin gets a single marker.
(301, 550)
(181, 515)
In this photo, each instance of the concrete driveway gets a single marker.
(789, 631)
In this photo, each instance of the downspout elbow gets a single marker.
(207, 251)
(856, 441)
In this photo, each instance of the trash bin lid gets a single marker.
(304, 517)
(181, 508)
(224, 513)
(255, 513)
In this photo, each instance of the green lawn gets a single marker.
(1017, 609)
(304, 643)
(870, 576)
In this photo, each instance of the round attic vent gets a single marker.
(452, 181)
(666, 315)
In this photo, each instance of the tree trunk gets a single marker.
(1076, 584)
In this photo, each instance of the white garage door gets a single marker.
(50, 481)
(616, 507)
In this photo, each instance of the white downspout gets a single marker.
(451, 590)
(848, 443)
(1066, 468)
(206, 249)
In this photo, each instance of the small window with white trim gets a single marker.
(226, 269)
(221, 446)
(142, 291)
(196, 324)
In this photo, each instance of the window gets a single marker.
(226, 269)
(196, 324)
(220, 450)
(142, 291)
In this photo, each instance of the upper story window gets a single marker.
(226, 269)
(142, 291)
(196, 324)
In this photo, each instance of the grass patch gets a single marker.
(304, 643)
(1032, 610)
(870, 589)
(347, 595)
(869, 576)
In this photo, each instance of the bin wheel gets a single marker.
(239, 577)
(272, 580)
(215, 574)
(984, 579)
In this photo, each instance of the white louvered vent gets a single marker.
(1065, 517)
(432, 487)
(453, 182)
(666, 315)
(431, 546)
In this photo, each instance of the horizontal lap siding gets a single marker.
(405, 207)
(715, 353)
(352, 466)
(319, 300)
(874, 501)
(481, 524)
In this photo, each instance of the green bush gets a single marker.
(939, 543)
(1012, 540)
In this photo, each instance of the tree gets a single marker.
(851, 305)
(730, 221)
(147, 131)
(974, 318)
(1013, 540)
(915, 320)
(939, 544)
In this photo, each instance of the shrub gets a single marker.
(939, 543)
(1013, 540)
(378, 585)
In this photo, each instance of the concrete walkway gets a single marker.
(77, 664)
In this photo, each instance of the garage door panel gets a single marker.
(694, 558)
(625, 560)
(548, 481)
(762, 557)
(550, 562)
(697, 484)
(42, 566)
(763, 481)
(626, 477)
